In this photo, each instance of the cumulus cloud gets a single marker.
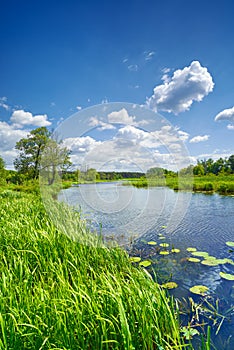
(183, 135)
(80, 144)
(178, 92)
(21, 118)
(9, 135)
(199, 138)
(101, 126)
(120, 117)
(226, 114)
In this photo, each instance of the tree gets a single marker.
(2, 170)
(198, 169)
(31, 148)
(231, 162)
(55, 161)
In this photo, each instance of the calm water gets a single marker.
(205, 222)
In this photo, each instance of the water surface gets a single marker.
(205, 222)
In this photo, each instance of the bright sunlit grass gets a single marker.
(59, 294)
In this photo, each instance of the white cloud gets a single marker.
(78, 108)
(187, 85)
(133, 67)
(94, 121)
(149, 55)
(183, 135)
(199, 138)
(3, 103)
(120, 117)
(230, 126)
(226, 114)
(80, 144)
(9, 135)
(21, 118)
(125, 60)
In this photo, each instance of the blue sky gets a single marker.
(175, 57)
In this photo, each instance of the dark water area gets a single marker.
(134, 217)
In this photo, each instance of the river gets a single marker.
(133, 217)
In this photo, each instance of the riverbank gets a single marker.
(61, 294)
(222, 184)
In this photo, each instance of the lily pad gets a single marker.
(230, 244)
(164, 226)
(165, 245)
(161, 237)
(152, 243)
(145, 263)
(202, 254)
(135, 259)
(175, 250)
(210, 262)
(199, 289)
(195, 260)
(170, 285)
(229, 261)
(190, 249)
(164, 252)
(227, 276)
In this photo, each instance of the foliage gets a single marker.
(59, 294)
(31, 148)
(2, 171)
(54, 161)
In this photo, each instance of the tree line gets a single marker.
(32, 159)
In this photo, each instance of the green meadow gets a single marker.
(222, 184)
(59, 293)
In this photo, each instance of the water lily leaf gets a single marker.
(170, 285)
(210, 262)
(224, 261)
(190, 249)
(135, 259)
(145, 263)
(164, 252)
(195, 260)
(152, 243)
(227, 276)
(175, 250)
(201, 290)
(228, 261)
(164, 226)
(202, 254)
(165, 245)
(230, 244)
(210, 257)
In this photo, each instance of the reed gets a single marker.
(57, 293)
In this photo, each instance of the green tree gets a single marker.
(231, 162)
(30, 151)
(198, 169)
(155, 172)
(2, 170)
(55, 161)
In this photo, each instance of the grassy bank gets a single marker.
(222, 184)
(57, 293)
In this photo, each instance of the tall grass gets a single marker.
(57, 293)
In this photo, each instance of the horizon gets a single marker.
(60, 59)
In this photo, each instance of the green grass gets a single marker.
(57, 293)
(222, 184)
